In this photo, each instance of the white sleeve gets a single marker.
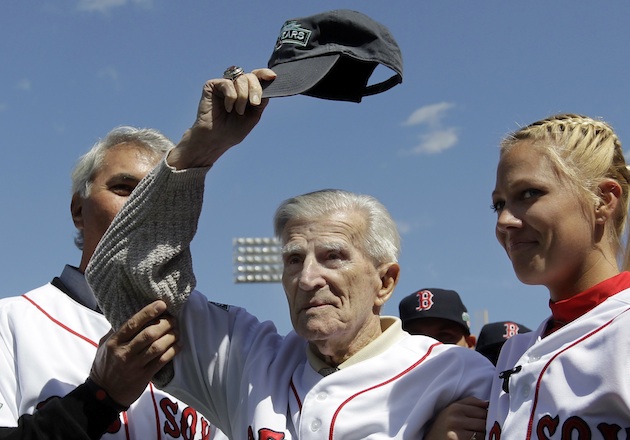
(221, 344)
(8, 379)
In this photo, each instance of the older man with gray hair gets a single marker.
(49, 336)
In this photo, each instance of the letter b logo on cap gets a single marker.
(425, 300)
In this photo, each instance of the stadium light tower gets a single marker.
(257, 260)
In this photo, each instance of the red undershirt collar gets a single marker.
(567, 310)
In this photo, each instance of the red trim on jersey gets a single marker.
(530, 425)
(157, 413)
(85, 338)
(399, 375)
(295, 393)
(126, 424)
(59, 323)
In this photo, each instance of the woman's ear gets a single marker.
(610, 193)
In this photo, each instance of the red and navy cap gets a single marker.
(332, 55)
(493, 335)
(435, 303)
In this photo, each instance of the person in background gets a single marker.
(49, 336)
(438, 313)
(345, 370)
(561, 200)
(441, 314)
(494, 334)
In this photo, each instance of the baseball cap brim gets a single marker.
(298, 76)
(459, 324)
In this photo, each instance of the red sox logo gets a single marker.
(511, 329)
(425, 300)
(574, 427)
(187, 423)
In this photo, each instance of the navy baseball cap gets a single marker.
(332, 55)
(435, 303)
(493, 335)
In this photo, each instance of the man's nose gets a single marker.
(311, 275)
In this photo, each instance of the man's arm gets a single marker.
(124, 364)
(145, 253)
(77, 416)
(461, 420)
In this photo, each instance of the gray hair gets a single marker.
(88, 164)
(381, 239)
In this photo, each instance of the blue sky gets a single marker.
(71, 70)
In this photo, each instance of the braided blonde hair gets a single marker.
(586, 151)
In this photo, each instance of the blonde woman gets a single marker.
(561, 199)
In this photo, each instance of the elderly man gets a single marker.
(49, 336)
(345, 371)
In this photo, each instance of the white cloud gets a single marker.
(437, 138)
(429, 114)
(404, 227)
(436, 142)
(109, 77)
(59, 128)
(99, 5)
(24, 84)
(421, 223)
(104, 6)
(108, 73)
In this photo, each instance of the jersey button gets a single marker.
(526, 390)
(322, 396)
(315, 425)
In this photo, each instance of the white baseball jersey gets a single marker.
(240, 371)
(572, 384)
(47, 345)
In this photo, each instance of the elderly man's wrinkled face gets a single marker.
(333, 288)
(122, 169)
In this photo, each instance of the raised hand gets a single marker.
(227, 112)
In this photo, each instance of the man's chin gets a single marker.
(315, 330)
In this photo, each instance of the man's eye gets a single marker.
(292, 259)
(122, 190)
